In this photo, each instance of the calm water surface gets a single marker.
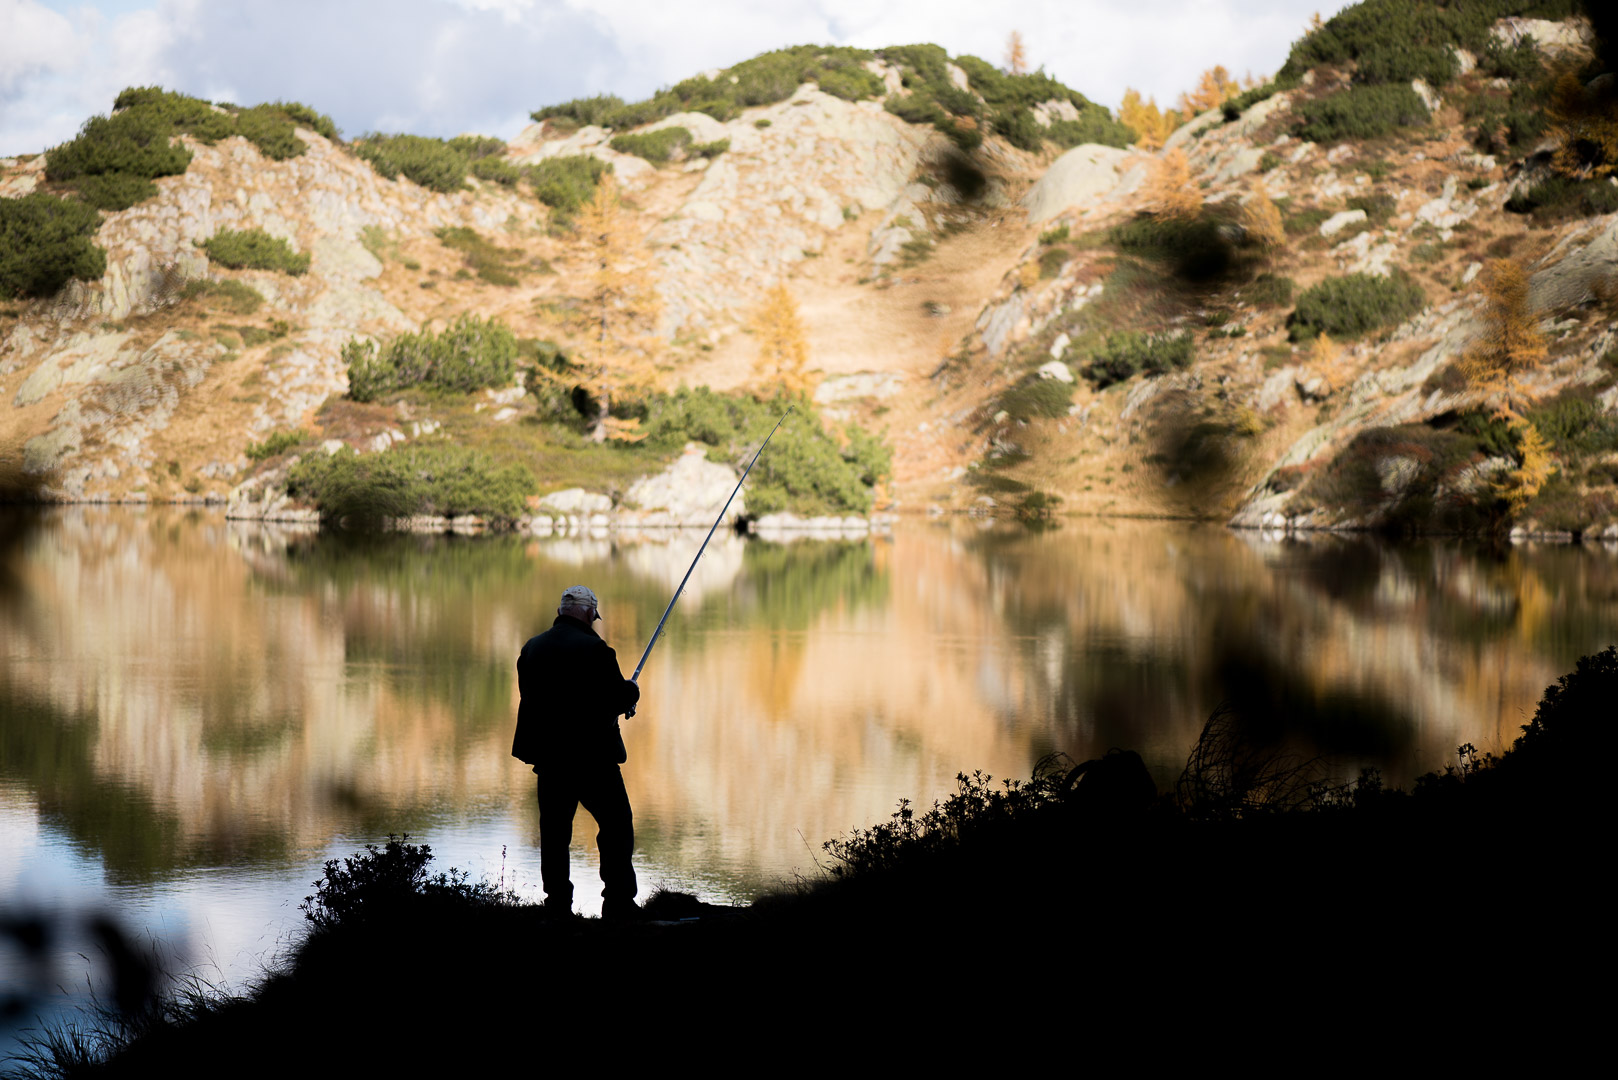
(195, 714)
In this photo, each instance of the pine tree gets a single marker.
(1213, 87)
(1151, 125)
(1016, 54)
(621, 307)
(783, 345)
(1171, 191)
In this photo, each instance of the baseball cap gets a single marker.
(580, 596)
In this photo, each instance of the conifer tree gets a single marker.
(783, 346)
(1213, 87)
(621, 307)
(1261, 219)
(1016, 54)
(1150, 124)
(1171, 191)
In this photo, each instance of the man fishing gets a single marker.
(567, 728)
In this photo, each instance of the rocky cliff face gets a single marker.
(937, 286)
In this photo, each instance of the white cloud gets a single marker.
(445, 66)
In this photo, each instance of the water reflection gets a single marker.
(180, 692)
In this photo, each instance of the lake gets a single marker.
(195, 713)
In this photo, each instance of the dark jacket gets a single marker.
(572, 696)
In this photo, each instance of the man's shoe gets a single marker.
(620, 910)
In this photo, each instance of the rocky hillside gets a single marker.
(1275, 318)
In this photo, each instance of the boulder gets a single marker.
(1082, 175)
(576, 502)
(690, 492)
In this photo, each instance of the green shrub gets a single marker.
(566, 183)
(1352, 306)
(1051, 261)
(489, 261)
(432, 163)
(1019, 128)
(298, 113)
(254, 249)
(496, 170)
(804, 471)
(1196, 251)
(113, 191)
(1576, 425)
(1560, 197)
(468, 355)
(1128, 353)
(1270, 290)
(414, 478)
(655, 146)
(1394, 41)
(1378, 208)
(584, 112)
(1094, 125)
(45, 242)
(1234, 107)
(710, 149)
(277, 443)
(914, 109)
(1035, 396)
(850, 84)
(1305, 221)
(269, 129)
(1054, 236)
(232, 296)
(1361, 112)
(477, 147)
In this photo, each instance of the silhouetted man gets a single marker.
(567, 729)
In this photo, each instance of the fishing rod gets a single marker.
(635, 678)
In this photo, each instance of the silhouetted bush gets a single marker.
(415, 478)
(1361, 112)
(1128, 354)
(432, 163)
(45, 242)
(468, 355)
(254, 249)
(655, 146)
(566, 183)
(1352, 306)
(384, 880)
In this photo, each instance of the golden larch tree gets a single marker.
(1214, 86)
(1496, 365)
(1151, 124)
(1016, 54)
(1261, 219)
(621, 308)
(783, 344)
(1170, 190)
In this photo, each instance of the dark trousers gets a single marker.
(600, 789)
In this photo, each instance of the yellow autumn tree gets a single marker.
(1170, 191)
(1584, 124)
(1510, 347)
(1151, 124)
(621, 309)
(1325, 359)
(1261, 220)
(1214, 86)
(1016, 54)
(783, 345)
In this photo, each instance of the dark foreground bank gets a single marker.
(1073, 917)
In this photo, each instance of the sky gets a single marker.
(446, 67)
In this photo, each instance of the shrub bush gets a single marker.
(45, 242)
(566, 183)
(254, 249)
(655, 146)
(489, 261)
(850, 83)
(1352, 306)
(278, 443)
(1035, 396)
(477, 147)
(432, 163)
(382, 882)
(595, 111)
(1378, 208)
(804, 470)
(414, 478)
(113, 191)
(1198, 250)
(1361, 112)
(1270, 290)
(233, 296)
(710, 149)
(1128, 353)
(468, 355)
(1559, 197)
(496, 170)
